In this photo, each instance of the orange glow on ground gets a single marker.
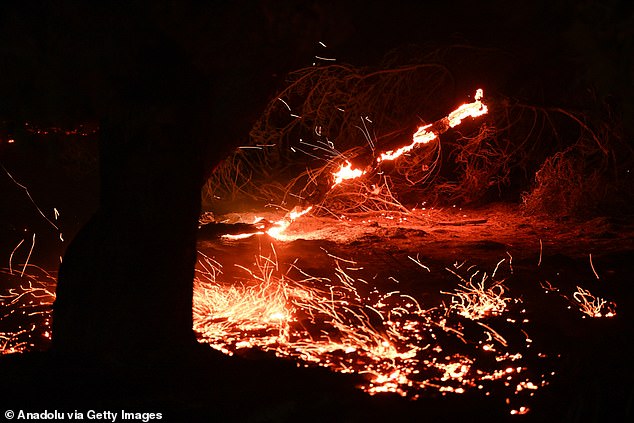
(333, 322)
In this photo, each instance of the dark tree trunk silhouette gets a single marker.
(172, 104)
(125, 285)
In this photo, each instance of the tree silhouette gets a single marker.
(174, 86)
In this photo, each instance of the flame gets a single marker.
(475, 109)
(423, 135)
(277, 229)
(346, 172)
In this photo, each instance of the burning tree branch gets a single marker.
(345, 172)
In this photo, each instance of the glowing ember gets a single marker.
(589, 304)
(342, 323)
(25, 322)
(593, 306)
(276, 230)
(229, 313)
(522, 410)
(474, 300)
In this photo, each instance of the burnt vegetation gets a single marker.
(558, 157)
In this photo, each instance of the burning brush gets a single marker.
(325, 184)
(423, 135)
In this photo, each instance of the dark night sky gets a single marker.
(65, 59)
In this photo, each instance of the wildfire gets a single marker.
(338, 321)
(341, 323)
(345, 172)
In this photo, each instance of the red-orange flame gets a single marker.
(346, 172)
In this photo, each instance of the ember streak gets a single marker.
(593, 306)
(25, 310)
(342, 323)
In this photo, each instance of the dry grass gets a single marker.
(326, 114)
(554, 159)
(588, 176)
